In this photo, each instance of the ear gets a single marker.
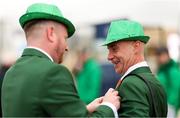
(50, 34)
(136, 46)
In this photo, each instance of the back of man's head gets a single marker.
(35, 28)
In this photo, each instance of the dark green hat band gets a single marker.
(143, 39)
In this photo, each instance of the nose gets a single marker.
(110, 56)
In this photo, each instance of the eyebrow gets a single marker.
(112, 45)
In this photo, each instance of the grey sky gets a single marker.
(82, 12)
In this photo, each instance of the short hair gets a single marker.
(28, 25)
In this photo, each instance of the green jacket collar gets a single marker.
(34, 52)
(141, 70)
(134, 67)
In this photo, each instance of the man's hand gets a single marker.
(112, 97)
(91, 107)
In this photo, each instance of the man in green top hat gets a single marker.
(36, 85)
(141, 93)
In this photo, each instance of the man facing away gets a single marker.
(36, 85)
(141, 93)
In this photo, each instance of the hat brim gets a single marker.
(36, 15)
(144, 39)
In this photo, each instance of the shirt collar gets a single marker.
(42, 51)
(138, 65)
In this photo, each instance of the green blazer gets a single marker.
(135, 95)
(35, 86)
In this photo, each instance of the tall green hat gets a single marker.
(46, 11)
(125, 30)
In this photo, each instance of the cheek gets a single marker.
(120, 56)
(61, 46)
(126, 53)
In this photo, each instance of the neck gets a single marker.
(43, 46)
(138, 59)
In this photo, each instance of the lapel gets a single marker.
(136, 71)
(33, 52)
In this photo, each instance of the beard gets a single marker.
(59, 55)
(60, 58)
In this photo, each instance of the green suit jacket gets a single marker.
(135, 95)
(35, 86)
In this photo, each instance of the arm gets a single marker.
(61, 98)
(111, 99)
(134, 99)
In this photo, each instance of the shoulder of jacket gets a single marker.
(132, 80)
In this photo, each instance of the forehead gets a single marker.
(118, 43)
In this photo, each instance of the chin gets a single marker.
(117, 71)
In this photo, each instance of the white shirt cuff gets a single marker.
(112, 107)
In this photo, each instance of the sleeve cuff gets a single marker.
(112, 107)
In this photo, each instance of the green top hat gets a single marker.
(125, 30)
(46, 11)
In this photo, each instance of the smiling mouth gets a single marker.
(116, 63)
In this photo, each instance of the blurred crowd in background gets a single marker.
(87, 59)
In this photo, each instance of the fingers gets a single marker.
(100, 99)
(115, 93)
(112, 97)
(112, 91)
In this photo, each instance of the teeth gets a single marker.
(116, 62)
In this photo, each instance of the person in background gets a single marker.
(37, 85)
(169, 75)
(88, 75)
(141, 93)
(3, 70)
